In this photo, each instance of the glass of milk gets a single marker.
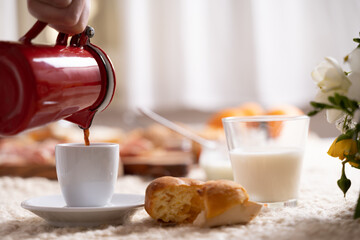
(266, 154)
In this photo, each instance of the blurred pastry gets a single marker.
(156, 151)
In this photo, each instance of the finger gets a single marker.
(77, 28)
(57, 3)
(68, 16)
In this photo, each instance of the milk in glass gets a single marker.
(268, 174)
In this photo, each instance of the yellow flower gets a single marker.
(343, 147)
(354, 164)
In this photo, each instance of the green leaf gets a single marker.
(333, 100)
(354, 105)
(317, 105)
(346, 102)
(344, 183)
(357, 40)
(338, 98)
(320, 105)
(312, 113)
(343, 137)
(357, 209)
(342, 103)
(348, 135)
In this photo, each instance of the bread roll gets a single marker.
(175, 200)
(213, 203)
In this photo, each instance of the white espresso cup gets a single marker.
(87, 174)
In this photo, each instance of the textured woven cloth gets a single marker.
(322, 211)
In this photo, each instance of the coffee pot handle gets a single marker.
(36, 30)
(33, 32)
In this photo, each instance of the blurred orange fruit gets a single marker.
(252, 109)
(215, 120)
(246, 109)
(255, 109)
(286, 110)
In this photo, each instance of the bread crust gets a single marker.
(221, 195)
(164, 182)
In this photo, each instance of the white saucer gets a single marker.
(54, 210)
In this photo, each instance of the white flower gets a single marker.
(340, 124)
(354, 76)
(354, 60)
(331, 79)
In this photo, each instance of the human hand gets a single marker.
(67, 16)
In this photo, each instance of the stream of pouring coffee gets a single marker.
(86, 137)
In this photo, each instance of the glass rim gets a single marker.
(264, 118)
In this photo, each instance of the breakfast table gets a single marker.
(322, 211)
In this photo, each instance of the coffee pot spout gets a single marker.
(82, 118)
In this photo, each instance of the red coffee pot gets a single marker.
(40, 84)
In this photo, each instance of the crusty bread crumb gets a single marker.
(175, 200)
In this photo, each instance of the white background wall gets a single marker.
(203, 55)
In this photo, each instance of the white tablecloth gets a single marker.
(322, 211)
